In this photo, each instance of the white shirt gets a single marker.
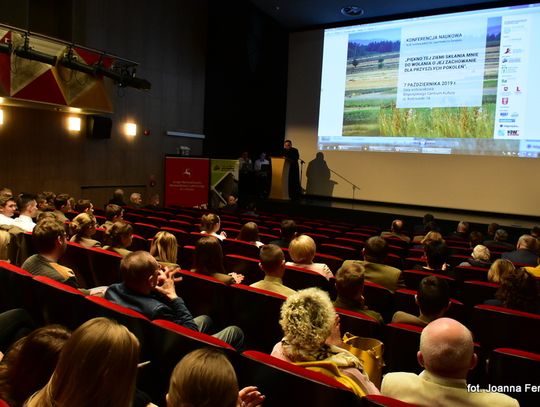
(259, 163)
(25, 223)
(320, 268)
(4, 220)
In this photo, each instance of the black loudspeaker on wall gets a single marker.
(98, 127)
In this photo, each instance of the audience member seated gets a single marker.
(421, 229)
(50, 241)
(120, 236)
(5, 239)
(288, 233)
(232, 204)
(430, 227)
(273, 264)
(205, 378)
(433, 300)
(396, 230)
(210, 225)
(475, 238)
(517, 291)
(432, 236)
(499, 269)
(30, 362)
(500, 241)
(6, 192)
(462, 231)
(250, 233)
(446, 354)
(525, 252)
(118, 198)
(154, 203)
(375, 271)
(437, 254)
(113, 214)
(83, 227)
(148, 289)
(62, 205)
(350, 290)
(164, 248)
(302, 250)
(312, 339)
(97, 367)
(8, 207)
(491, 230)
(480, 257)
(14, 325)
(27, 210)
(84, 205)
(135, 200)
(209, 261)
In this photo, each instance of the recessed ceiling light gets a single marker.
(352, 11)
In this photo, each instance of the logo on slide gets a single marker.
(512, 133)
(504, 101)
(187, 172)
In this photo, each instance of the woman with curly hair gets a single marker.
(83, 227)
(312, 339)
(517, 291)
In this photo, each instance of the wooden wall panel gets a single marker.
(168, 38)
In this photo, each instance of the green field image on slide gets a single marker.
(370, 108)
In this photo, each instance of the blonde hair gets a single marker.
(302, 249)
(307, 318)
(498, 269)
(82, 224)
(432, 237)
(97, 367)
(208, 222)
(481, 252)
(164, 247)
(5, 238)
(203, 378)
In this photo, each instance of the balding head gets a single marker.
(447, 349)
(397, 226)
(138, 271)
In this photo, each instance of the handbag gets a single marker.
(370, 352)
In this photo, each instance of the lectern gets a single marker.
(280, 178)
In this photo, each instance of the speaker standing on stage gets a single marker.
(291, 154)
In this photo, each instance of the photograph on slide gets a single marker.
(420, 83)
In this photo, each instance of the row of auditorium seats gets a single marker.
(257, 312)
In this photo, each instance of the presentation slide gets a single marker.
(463, 83)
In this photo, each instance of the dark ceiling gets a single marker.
(304, 14)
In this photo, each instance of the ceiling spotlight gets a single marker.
(28, 53)
(352, 11)
(70, 61)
